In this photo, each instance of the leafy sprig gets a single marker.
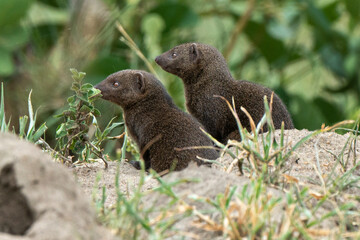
(72, 134)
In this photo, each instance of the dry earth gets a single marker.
(315, 158)
(45, 203)
(39, 199)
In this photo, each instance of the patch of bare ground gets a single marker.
(317, 165)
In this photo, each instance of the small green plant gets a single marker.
(72, 134)
(243, 214)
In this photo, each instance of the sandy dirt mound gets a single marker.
(40, 199)
(325, 147)
(203, 183)
(316, 156)
(47, 204)
(93, 177)
(319, 156)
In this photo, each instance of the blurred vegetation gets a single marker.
(307, 51)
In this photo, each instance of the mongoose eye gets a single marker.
(115, 84)
(174, 55)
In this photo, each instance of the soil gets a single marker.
(310, 164)
(39, 199)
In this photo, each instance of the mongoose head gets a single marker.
(190, 60)
(180, 59)
(129, 87)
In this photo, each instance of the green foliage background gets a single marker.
(307, 51)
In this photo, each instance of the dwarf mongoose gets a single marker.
(154, 122)
(205, 74)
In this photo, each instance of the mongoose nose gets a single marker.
(157, 59)
(98, 86)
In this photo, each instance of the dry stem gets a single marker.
(240, 25)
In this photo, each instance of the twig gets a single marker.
(149, 144)
(209, 161)
(47, 147)
(232, 164)
(355, 143)
(318, 167)
(96, 152)
(162, 173)
(118, 137)
(235, 229)
(240, 65)
(128, 41)
(197, 147)
(240, 25)
(197, 213)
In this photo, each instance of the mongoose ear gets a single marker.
(194, 52)
(140, 82)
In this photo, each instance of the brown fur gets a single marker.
(205, 73)
(154, 122)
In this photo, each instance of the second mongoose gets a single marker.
(206, 75)
(158, 127)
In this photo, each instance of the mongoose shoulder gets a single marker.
(154, 122)
(205, 74)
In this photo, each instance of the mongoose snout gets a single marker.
(158, 60)
(164, 62)
(104, 93)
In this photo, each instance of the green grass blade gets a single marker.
(7, 126)
(4, 127)
(39, 132)
(22, 125)
(261, 124)
(281, 141)
(231, 194)
(110, 126)
(31, 117)
(123, 148)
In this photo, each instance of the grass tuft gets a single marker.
(4, 126)
(31, 134)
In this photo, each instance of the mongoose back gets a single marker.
(154, 122)
(205, 74)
